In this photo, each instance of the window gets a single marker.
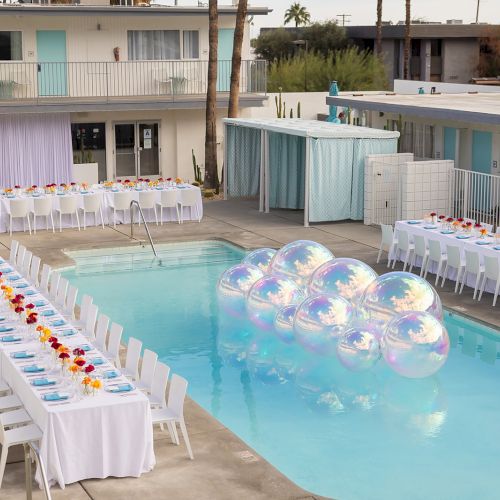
(11, 48)
(154, 45)
(89, 145)
(191, 44)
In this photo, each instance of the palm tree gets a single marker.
(378, 43)
(407, 41)
(211, 175)
(234, 90)
(298, 14)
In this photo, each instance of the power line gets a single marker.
(344, 18)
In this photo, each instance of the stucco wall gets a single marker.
(460, 59)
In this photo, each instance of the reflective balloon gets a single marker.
(345, 277)
(319, 322)
(234, 285)
(268, 295)
(283, 323)
(397, 292)
(260, 359)
(299, 259)
(415, 344)
(261, 258)
(358, 349)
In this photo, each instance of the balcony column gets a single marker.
(425, 60)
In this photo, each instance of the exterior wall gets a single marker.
(460, 59)
(412, 86)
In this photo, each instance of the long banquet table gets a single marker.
(84, 437)
(483, 246)
(188, 213)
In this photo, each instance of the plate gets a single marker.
(109, 374)
(430, 227)
(14, 278)
(29, 292)
(97, 361)
(483, 243)
(447, 231)
(117, 388)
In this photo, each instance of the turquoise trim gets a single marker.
(52, 67)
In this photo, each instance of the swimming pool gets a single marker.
(337, 434)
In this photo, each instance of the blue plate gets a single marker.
(2, 318)
(61, 194)
(5, 329)
(33, 369)
(43, 381)
(184, 187)
(158, 188)
(115, 190)
(55, 396)
(7, 270)
(84, 192)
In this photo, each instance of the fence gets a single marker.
(112, 80)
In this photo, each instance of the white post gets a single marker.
(307, 182)
(225, 159)
(266, 171)
(261, 171)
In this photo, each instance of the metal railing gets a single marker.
(135, 203)
(476, 196)
(118, 80)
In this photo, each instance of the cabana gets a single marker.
(301, 164)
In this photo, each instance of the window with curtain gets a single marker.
(153, 45)
(191, 44)
(11, 48)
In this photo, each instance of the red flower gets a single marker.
(169, 179)
(30, 306)
(160, 179)
(468, 224)
(52, 339)
(55, 345)
(78, 352)
(119, 180)
(140, 179)
(89, 368)
(47, 185)
(19, 309)
(62, 184)
(34, 186)
(433, 214)
(17, 186)
(341, 115)
(441, 217)
(147, 180)
(460, 219)
(475, 225)
(19, 296)
(80, 362)
(64, 355)
(73, 183)
(126, 181)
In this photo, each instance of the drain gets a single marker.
(246, 456)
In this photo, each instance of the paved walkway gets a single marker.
(222, 468)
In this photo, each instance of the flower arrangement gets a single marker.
(8, 190)
(84, 185)
(483, 232)
(178, 180)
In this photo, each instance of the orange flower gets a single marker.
(86, 380)
(39, 328)
(484, 231)
(62, 348)
(74, 369)
(96, 384)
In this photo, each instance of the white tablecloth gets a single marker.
(70, 221)
(94, 437)
(450, 239)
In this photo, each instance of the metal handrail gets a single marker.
(27, 468)
(136, 203)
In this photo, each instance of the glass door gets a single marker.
(125, 151)
(149, 157)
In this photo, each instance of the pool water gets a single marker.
(334, 433)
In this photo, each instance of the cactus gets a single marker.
(291, 113)
(196, 169)
(280, 105)
(298, 109)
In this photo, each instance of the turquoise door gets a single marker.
(52, 67)
(482, 150)
(224, 57)
(450, 143)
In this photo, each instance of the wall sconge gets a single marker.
(98, 27)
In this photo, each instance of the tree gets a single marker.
(407, 48)
(297, 14)
(274, 44)
(211, 174)
(489, 57)
(378, 42)
(234, 90)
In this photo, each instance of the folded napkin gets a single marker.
(40, 382)
(59, 322)
(11, 338)
(40, 303)
(497, 247)
(463, 236)
(33, 369)
(430, 227)
(97, 361)
(24, 285)
(2, 318)
(447, 231)
(22, 355)
(14, 278)
(85, 347)
(67, 333)
(483, 242)
(7, 270)
(414, 221)
(110, 374)
(121, 388)
(29, 292)
(55, 396)
(4, 329)
(49, 312)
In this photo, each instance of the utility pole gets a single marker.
(344, 18)
(477, 11)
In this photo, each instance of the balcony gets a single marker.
(169, 84)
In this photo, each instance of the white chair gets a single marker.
(174, 412)
(11, 402)
(10, 437)
(90, 319)
(44, 280)
(159, 386)
(492, 273)
(19, 209)
(68, 206)
(131, 369)
(113, 351)
(42, 207)
(489, 227)
(69, 306)
(92, 204)
(189, 199)
(472, 266)
(53, 284)
(101, 332)
(148, 366)
(403, 245)
(168, 199)
(421, 251)
(14, 245)
(25, 266)
(147, 201)
(388, 242)
(62, 290)
(4, 388)
(34, 270)
(435, 255)
(84, 307)
(14, 418)
(20, 257)
(454, 261)
(120, 201)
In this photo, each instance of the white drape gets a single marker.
(154, 45)
(191, 44)
(35, 149)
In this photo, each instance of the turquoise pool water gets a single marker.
(369, 436)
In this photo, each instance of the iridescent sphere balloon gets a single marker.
(358, 349)
(395, 293)
(345, 277)
(299, 259)
(319, 322)
(268, 295)
(415, 344)
(283, 323)
(234, 285)
(261, 258)
(260, 359)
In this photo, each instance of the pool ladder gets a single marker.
(30, 449)
(135, 203)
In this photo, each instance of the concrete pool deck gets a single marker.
(224, 466)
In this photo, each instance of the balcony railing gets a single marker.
(111, 81)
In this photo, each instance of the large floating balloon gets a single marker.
(345, 277)
(260, 360)
(319, 322)
(299, 259)
(415, 344)
(268, 295)
(358, 349)
(261, 258)
(234, 285)
(283, 323)
(398, 292)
